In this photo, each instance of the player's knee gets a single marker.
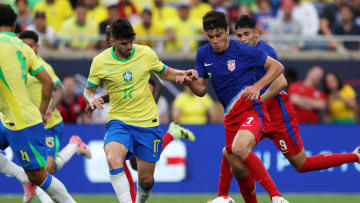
(240, 151)
(146, 181)
(50, 168)
(114, 162)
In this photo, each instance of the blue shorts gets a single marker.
(29, 145)
(144, 143)
(52, 137)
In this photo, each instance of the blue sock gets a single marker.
(46, 184)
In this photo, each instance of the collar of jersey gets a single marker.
(9, 33)
(120, 59)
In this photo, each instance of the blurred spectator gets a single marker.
(328, 18)
(129, 11)
(264, 15)
(342, 106)
(113, 11)
(218, 6)
(356, 5)
(286, 25)
(73, 105)
(25, 17)
(191, 109)
(96, 12)
(199, 9)
(183, 27)
(347, 27)
(249, 3)
(162, 13)
(78, 32)
(148, 27)
(307, 99)
(46, 33)
(56, 12)
(305, 13)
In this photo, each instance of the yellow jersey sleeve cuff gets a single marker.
(92, 84)
(162, 70)
(57, 82)
(33, 73)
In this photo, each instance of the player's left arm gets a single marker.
(47, 85)
(275, 68)
(170, 74)
(57, 97)
(276, 86)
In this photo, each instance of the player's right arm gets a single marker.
(92, 84)
(276, 86)
(47, 85)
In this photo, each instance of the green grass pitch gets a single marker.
(201, 198)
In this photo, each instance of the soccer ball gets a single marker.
(222, 199)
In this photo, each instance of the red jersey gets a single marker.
(70, 112)
(303, 115)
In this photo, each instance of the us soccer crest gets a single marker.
(127, 76)
(231, 65)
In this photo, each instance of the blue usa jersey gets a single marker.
(260, 71)
(231, 71)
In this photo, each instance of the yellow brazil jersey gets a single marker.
(200, 10)
(16, 61)
(338, 108)
(155, 29)
(161, 16)
(55, 13)
(193, 108)
(126, 80)
(97, 14)
(34, 87)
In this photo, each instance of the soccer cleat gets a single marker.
(357, 152)
(277, 199)
(181, 132)
(83, 149)
(29, 192)
(222, 199)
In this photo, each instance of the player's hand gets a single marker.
(96, 103)
(251, 93)
(193, 74)
(46, 117)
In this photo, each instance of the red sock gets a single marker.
(225, 177)
(257, 170)
(167, 138)
(324, 161)
(247, 189)
(131, 183)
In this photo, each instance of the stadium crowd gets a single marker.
(175, 25)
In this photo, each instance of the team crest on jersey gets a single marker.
(231, 65)
(127, 76)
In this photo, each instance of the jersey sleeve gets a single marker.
(94, 75)
(348, 92)
(35, 65)
(52, 74)
(154, 62)
(256, 57)
(199, 65)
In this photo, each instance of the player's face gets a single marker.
(32, 44)
(218, 39)
(247, 35)
(123, 47)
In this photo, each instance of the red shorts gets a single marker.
(245, 115)
(283, 128)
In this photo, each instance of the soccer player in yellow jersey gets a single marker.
(21, 121)
(133, 127)
(55, 125)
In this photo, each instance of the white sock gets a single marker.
(120, 185)
(10, 168)
(142, 194)
(44, 198)
(56, 190)
(65, 155)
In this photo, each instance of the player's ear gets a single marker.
(112, 41)
(257, 32)
(227, 30)
(13, 27)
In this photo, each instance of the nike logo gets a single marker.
(27, 164)
(245, 125)
(154, 155)
(207, 64)
(111, 69)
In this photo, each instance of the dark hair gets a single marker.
(28, 34)
(108, 35)
(17, 1)
(122, 29)
(326, 89)
(245, 22)
(214, 20)
(7, 15)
